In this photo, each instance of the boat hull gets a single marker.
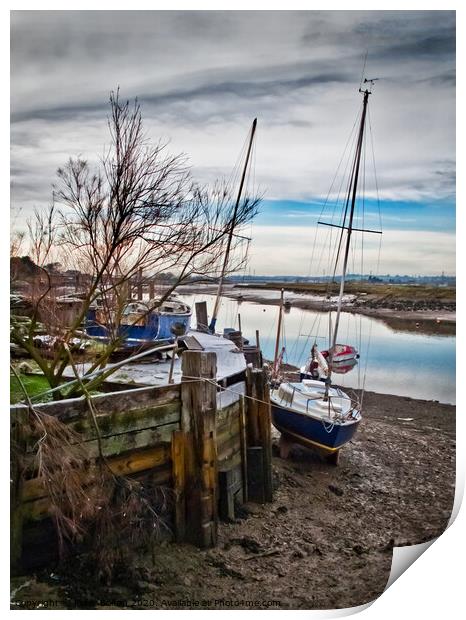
(342, 353)
(158, 327)
(310, 431)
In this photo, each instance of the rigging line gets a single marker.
(363, 203)
(363, 70)
(350, 138)
(370, 329)
(349, 159)
(345, 214)
(295, 354)
(348, 163)
(359, 349)
(347, 177)
(232, 178)
(375, 171)
(335, 246)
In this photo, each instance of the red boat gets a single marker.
(342, 353)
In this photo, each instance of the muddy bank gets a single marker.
(402, 316)
(429, 316)
(325, 542)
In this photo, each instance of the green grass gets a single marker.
(34, 384)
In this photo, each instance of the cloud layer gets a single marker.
(203, 76)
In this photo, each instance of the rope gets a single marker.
(222, 388)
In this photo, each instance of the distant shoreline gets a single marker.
(439, 320)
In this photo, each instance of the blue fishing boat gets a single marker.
(314, 412)
(139, 322)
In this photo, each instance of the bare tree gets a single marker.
(138, 210)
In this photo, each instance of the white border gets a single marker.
(433, 587)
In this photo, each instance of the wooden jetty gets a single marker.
(210, 445)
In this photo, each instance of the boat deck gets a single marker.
(230, 361)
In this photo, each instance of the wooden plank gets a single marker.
(227, 413)
(230, 460)
(126, 442)
(137, 398)
(133, 463)
(128, 421)
(228, 447)
(230, 484)
(40, 508)
(121, 444)
(232, 429)
(158, 476)
(191, 343)
(122, 422)
(256, 474)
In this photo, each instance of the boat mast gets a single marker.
(213, 320)
(351, 195)
(277, 340)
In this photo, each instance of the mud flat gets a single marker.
(325, 542)
(427, 315)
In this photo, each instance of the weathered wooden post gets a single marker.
(198, 419)
(202, 321)
(258, 430)
(140, 284)
(178, 449)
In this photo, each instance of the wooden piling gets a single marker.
(202, 320)
(244, 446)
(198, 420)
(178, 449)
(258, 429)
(252, 425)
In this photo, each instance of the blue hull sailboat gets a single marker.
(300, 411)
(314, 412)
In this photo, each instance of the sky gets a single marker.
(202, 76)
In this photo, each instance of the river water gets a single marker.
(405, 363)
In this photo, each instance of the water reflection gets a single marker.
(405, 363)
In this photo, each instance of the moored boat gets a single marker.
(308, 413)
(341, 353)
(140, 321)
(345, 357)
(314, 412)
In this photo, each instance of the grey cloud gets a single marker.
(202, 76)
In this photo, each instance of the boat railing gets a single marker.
(309, 400)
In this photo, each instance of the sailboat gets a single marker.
(314, 412)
